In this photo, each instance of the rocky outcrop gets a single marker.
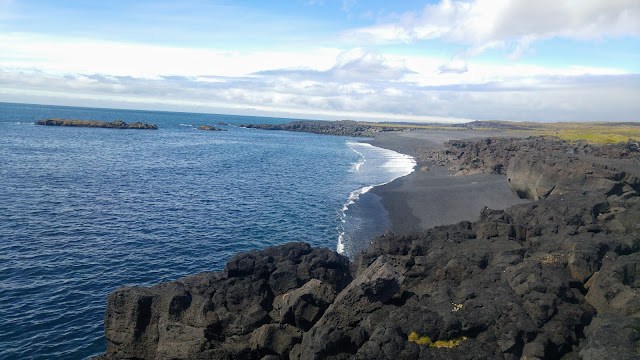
(554, 278)
(493, 155)
(210, 128)
(339, 128)
(117, 124)
(260, 304)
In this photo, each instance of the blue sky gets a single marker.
(440, 60)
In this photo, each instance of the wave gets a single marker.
(353, 197)
(376, 167)
(356, 166)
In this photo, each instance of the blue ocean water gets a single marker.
(86, 210)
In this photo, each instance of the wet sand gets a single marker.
(424, 199)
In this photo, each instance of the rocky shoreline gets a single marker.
(117, 124)
(557, 277)
(339, 128)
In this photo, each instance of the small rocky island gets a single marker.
(117, 124)
(555, 278)
(210, 128)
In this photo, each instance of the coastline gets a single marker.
(424, 199)
(363, 215)
(552, 278)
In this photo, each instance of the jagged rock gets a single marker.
(275, 338)
(303, 307)
(612, 337)
(616, 287)
(367, 292)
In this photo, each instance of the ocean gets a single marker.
(86, 210)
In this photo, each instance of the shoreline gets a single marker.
(422, 199)
(552, 278)
(363, 215)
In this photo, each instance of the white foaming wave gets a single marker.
(356, 166)
(396, 165)
(353, 197)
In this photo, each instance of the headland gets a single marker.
(554, 276)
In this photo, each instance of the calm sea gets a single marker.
(86, 210)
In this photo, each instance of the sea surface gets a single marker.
(86, 210)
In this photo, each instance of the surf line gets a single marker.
(392, 164)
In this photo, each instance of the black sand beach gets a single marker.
(424, 199)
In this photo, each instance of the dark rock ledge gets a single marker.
(210, 128)
(117, 124)
(339, 128)
(554, 278)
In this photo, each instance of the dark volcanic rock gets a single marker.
(210, 128)
(493, 155)
(228, 314)
(117, 124)
(554, 278)
(612, 337)
(340, 128)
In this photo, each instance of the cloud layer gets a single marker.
(327, 94)
(484, 24)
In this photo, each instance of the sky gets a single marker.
(418, 61)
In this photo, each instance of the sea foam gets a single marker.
(377, 166)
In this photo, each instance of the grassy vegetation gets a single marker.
(594, 132)
(425, 340)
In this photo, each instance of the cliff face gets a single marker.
(554, 278)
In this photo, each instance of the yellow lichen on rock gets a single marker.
(418, 339)
(425, 340)
(448, 343)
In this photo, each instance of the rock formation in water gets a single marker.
(210, 128)
(117, 124)
(555, 278)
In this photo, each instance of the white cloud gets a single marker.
(58, 55)
(317, 83)
(532, 98)
(483, 24)
(357, 64)
(456, 66)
